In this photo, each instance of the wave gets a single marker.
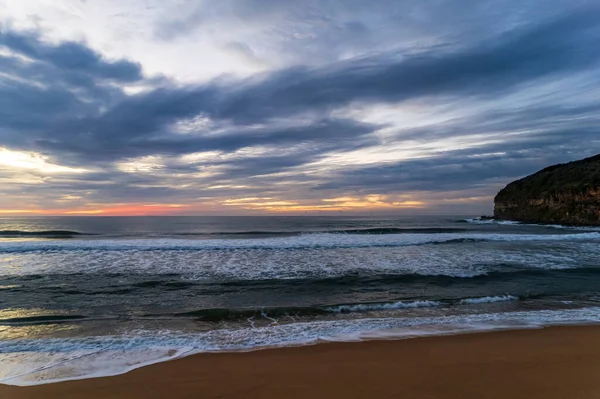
(45, 319)
(318, 241)
(489, 299)
(367, 231)
(44, 233)
(131, 283)
(461, 241)
(397, 230)
(491, 221)
(40, 361)
(218, 315)
(241, 234)
(366, 307)
(376, 279)
(251, 233)
(517, 223)
(224, 314)
(497, 272)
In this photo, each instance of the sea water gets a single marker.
(82, 297)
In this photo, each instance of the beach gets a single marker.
(555, 362)
(278, 199)
(194, 302)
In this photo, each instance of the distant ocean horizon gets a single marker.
(86, 296)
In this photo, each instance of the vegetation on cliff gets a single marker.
(560, 194)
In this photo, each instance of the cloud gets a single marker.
(73, 59)
(554, 47)
(43, 84)
(562, 45)
(461, 170)
(503, 93)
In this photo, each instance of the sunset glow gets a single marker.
(32, 161)
(189, 176)
(121, 210)
(249, 108)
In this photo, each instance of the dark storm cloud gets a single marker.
(45, 84)
(563, 45)
(62, 103)
(566, 44)
(539, 126)
(140, 123)
(326, 134)
(471, 168)
(73, 58)
(530, 139)
(67, 101)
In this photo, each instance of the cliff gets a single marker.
(559, 194)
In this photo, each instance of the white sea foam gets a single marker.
(489, 299)
(38, 361)
(492, 221)
(517, 223)
(318, 240)
(262, 259)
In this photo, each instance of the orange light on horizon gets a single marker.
(348, 206)
(84, 212)
(373, 202)
(121, 210)
(20, 211)
(368, 202)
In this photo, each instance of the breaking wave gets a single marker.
(41, 234)
(374, 230)
(40, 361)
(217, 315)
(366, 307)
(517, 223)
(317, 240)
(489, 299)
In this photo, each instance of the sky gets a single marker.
(251, 107)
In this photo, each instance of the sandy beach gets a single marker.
(558, 362)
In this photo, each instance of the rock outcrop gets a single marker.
(566, 194)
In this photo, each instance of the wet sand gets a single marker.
(558, 362)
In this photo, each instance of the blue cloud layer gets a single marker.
(68, 102)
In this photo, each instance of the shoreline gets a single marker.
(551, 362)
(124, 358)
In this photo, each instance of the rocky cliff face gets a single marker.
(560, 194)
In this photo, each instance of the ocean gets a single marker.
(84, 297)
